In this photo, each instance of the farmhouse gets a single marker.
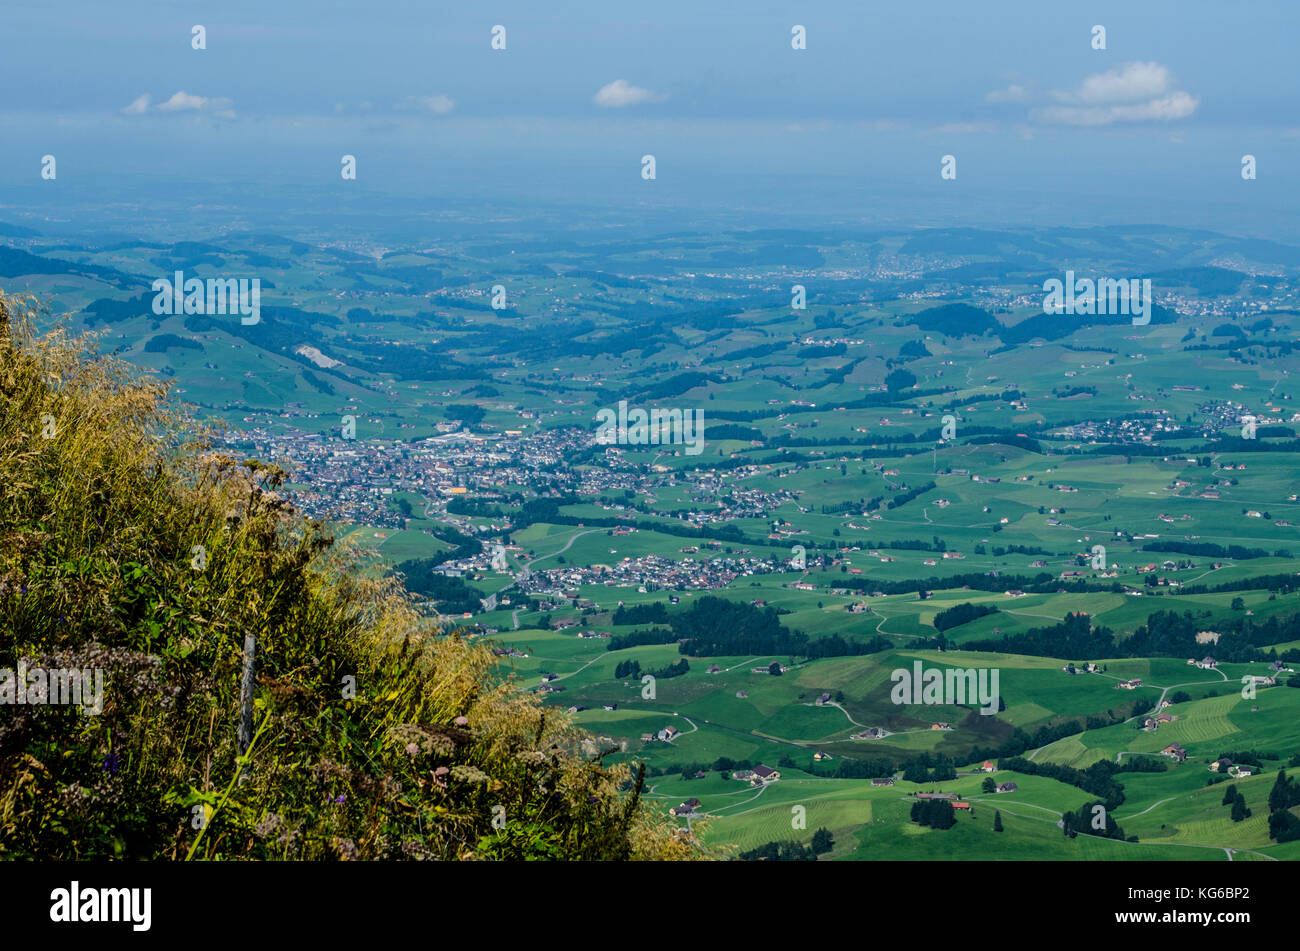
(823, 700)
(714, 669)
(744, 775)
(936, 795)
(1007, 787)
(1129, 684)
(887, 781)
(819, 756)
(667, 733)
(1174, 751)
(685, 809)
(988, 767)
(961, 805)
(940, 726)
(766, 774)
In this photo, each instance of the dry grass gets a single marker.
(106, 493)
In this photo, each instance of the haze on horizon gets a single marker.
(1046, 129)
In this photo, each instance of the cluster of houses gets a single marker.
(871, 733)
(950, 797)
(1205, 663)
(1129, 684)
(758, 776)
(685, 809)
(1153, 723)
(1175, 752)
(1088, 668)
(667, 734)
(1225, 765)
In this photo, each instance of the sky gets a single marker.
(1044, 128)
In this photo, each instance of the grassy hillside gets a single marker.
(127, 547)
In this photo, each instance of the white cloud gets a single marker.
(1013, 93)
(621, 93)
(964, 128)
(438, 105)
(1134, 92)
(1178, 105)
(1132, 82)
(181, 101)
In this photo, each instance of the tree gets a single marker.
(1239, 810)
(1230, 794)
(822, 841)
(1280, 797)
(989, 785)
(997, 822)
(774, 668)
(1238, 604)
(899, 379)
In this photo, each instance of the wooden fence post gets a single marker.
(246, 696)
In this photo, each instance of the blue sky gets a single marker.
(1152, 128)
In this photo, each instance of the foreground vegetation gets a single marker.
(127, 546)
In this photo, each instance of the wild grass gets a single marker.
(128, 545)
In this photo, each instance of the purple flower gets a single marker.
(110, 763)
